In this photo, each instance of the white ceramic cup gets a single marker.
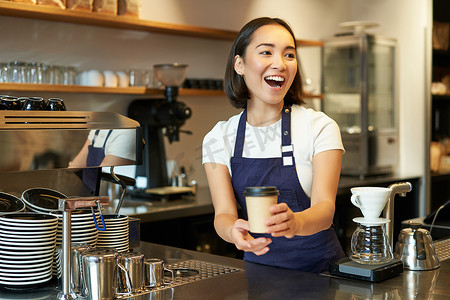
(258, 201)
(370, 200)
(92, 78)
(111, 79)
(124, 80)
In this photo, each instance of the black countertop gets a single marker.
(201, 204)
(253, 281)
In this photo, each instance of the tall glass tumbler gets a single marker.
(17, 72)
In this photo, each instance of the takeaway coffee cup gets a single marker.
(258, 200)
(370, 200)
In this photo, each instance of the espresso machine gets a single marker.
(37, 150)
(159, 118)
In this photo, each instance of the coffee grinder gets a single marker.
(159, 118)
(371, 257)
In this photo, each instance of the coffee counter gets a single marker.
(188, 222)
(252, 281)
(201, 204)
(161, 210)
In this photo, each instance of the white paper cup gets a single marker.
(258, 201)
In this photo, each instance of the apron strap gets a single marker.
(95, 136)
(240, 135)
(107, 137)
(287, 149)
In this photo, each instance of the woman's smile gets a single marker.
(275, 81)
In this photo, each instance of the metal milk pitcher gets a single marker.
(102, 273)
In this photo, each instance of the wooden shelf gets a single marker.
(49, 13)
(132, 90)
(137, 90)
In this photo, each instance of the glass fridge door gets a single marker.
(342, 84)
(380, 86)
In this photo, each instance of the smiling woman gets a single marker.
(274, 142)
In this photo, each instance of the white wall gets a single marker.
(404, 20)
(108, 48)
(407, 21)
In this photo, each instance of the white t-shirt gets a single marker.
(312, 132)
(121, 142)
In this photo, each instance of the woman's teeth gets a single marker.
(274, 81)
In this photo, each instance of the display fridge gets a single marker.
(358, 82)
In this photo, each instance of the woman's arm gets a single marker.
(79, 160)
(326, 172)
(226, 222)
(112, 160)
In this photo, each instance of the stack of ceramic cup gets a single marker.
(27, 245)
(116, 235)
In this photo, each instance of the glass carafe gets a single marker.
(370, 244)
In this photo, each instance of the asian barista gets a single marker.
(277, 142)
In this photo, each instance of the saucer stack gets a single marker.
(42, 200)
(10, 204)
(116, 235)
(27, 245)
(82, 229)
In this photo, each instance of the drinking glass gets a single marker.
(68, 75)
(3, 72)
(54, 75)
(17, 72)
(36, 73)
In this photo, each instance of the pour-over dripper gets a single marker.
(370, 200)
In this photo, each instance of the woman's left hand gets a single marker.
(282, 223)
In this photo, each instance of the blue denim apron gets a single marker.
(307, 253)
(94, 158)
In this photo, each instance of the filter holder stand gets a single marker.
(67, 205)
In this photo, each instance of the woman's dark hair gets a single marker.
(235, 86)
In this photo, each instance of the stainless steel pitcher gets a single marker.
(154, 272)
(103, 274)
(134, 263)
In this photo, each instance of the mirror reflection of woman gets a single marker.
(274, 142)
(107, 148)
(104, 148)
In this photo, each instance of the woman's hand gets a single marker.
(283, 222)
(244, 241)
